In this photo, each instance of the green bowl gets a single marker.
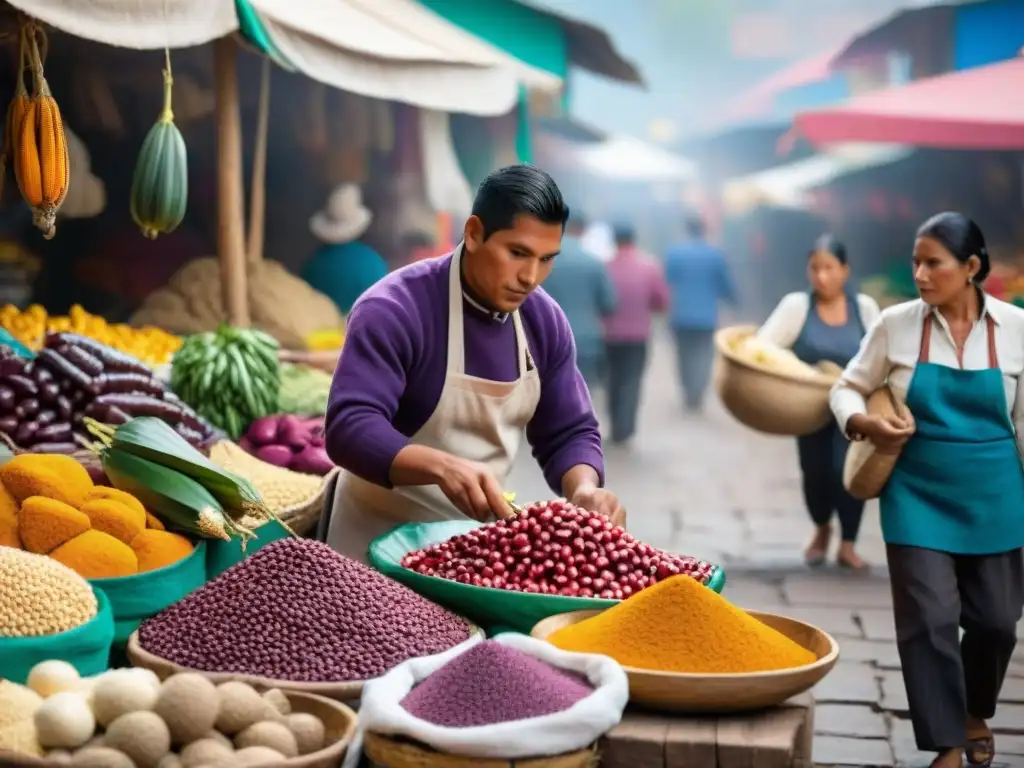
(86, 648)
(492, 609)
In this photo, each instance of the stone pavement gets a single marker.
(709, 487)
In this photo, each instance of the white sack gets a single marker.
(576, 728)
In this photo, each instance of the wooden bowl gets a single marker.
(350, 691)
(704, 693)
(386, 752)
(339, 725)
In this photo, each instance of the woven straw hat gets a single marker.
(867, 469)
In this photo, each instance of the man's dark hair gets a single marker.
(695, 227)
(518, 190)
(625, 234)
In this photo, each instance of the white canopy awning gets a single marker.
(396, 50)
(788, 185)
(141, 24)
(628, 159)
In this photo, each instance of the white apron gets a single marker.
(475, 419)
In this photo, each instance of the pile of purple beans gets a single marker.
(492, 683)
(297, 610)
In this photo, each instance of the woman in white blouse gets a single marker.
(953, 509)
(825, 323)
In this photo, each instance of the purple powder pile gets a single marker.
(493, 683)
(297, 610)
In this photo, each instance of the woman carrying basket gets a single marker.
(825, 323)
(953, 508)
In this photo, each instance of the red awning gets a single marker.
(977, 108)
(758, 101)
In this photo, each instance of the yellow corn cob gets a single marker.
(16, 111)
(42, 161)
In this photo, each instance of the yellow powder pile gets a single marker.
(679, 625)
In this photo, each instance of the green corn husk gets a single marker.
(151, 438)
(179, 501)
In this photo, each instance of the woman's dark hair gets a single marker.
(518, 190)
(625, 234)
(959, 235)
(830, 244)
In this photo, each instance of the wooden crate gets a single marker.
(777, 738)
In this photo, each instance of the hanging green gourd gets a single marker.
(160, 185)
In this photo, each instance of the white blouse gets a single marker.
(783, 326)
(890, 350)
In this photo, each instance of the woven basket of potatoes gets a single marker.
(128, 718)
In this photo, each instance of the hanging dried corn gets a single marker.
(41, 164)
(16, 110)
(159, 194)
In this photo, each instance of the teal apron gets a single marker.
(958, 486)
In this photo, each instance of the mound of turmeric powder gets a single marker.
(679, 625)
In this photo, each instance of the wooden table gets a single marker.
(777, 738)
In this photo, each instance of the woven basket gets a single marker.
(867, 469)
(385, 752)
(765, 400)
(339, 726)
(303, 518)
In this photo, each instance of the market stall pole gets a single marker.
(230, 208)
(780, 737)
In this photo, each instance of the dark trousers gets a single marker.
(822, 455)
(935, 594)
(626, 363)
(592, 368)
(695, 354)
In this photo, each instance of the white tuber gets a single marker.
(64, 721)
(54, 676)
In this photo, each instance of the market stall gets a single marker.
(159, 548)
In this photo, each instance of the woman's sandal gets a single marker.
(981, 751)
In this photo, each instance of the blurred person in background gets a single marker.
(343, 267)
(418, 245)
(698, 279)
(640, 288)
(579, 284)
(952, 511)
(597, 238)
(825, 323)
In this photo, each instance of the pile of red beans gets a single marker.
(554, 548)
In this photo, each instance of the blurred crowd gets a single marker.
(611, 290)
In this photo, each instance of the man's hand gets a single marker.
(601, 501)
(474, 490)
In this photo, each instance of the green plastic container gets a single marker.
(86, 648)
(133, 599)
(224, 554)
(492, 609)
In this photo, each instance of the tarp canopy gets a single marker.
(627, 159)
(590, 47)
(757, 103)
(388, 49)
(919, 22)
(977, 108)
(789, 185)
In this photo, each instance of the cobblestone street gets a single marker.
(709, 487)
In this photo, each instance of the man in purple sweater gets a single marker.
(447, 363)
